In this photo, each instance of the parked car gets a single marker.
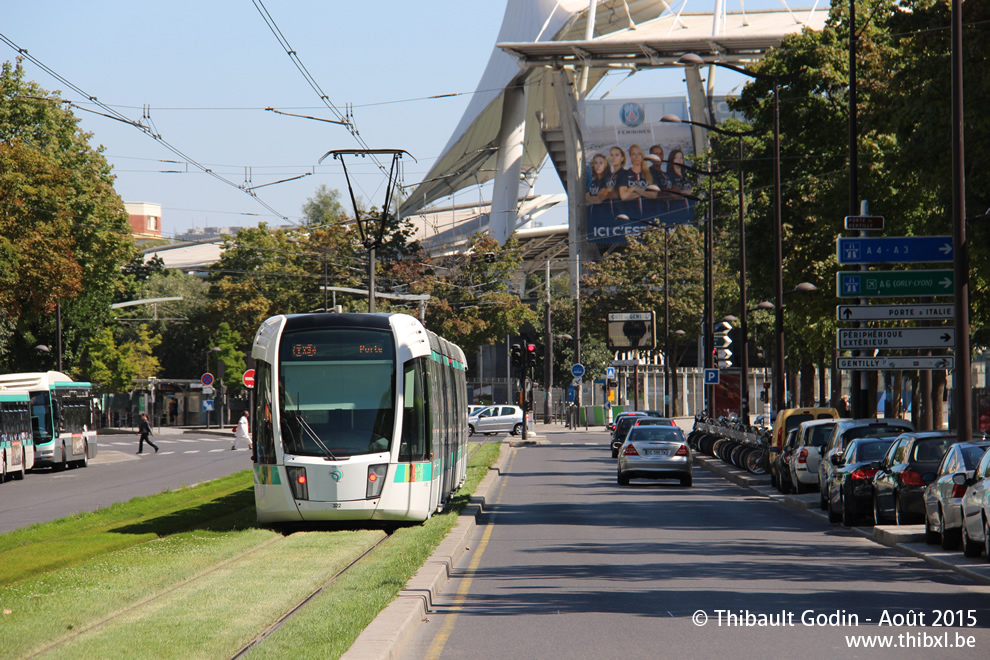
(790, 418)
(850, 492)
(907, 467)
(655, 452)
(943, 497)
(639, 420)
(808, 449)
(496, 419)
(780, 470)
(976, 510)
(846, 430)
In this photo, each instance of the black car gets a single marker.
(906, 469)
(850, 490)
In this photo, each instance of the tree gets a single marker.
(64, 233)
(113, 365)
(471, 304)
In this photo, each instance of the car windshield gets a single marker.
(871, 451)
(655, 434)
(972, 455)
(819, 435)
(931, 450)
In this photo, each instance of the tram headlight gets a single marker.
(376, 480)
(298, 483)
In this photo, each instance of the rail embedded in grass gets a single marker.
(209, 590)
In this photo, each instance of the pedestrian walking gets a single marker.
(144, 430)
(242, 432)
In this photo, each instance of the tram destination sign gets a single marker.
(894, 312)
(893, 249)
(883, 338)
(900, 363)
(893, 283)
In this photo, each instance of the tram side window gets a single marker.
(264, 436)
(415, 444)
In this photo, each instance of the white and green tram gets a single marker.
(356, 417)
(16, 444)
(63, 418)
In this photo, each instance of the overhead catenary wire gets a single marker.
(111, 113)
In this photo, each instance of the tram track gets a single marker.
(270, 630)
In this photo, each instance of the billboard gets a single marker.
(634, 166)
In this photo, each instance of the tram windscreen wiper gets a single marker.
(317, 439)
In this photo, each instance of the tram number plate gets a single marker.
(336, 505)
(657, 452)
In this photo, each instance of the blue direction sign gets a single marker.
(894, 249)
(893, 283)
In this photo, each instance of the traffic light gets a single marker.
(721, 342)
(517, 357)
(530, 355)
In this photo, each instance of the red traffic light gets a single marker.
(531, 348)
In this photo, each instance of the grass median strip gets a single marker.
(189, 574)
(224, 503)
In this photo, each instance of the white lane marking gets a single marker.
(191, 451)
(213, 451)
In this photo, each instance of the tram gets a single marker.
(63, 423)
(16, 443)
(356, 417)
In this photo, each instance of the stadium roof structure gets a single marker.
(538, 35)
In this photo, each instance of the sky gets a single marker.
(202, 74)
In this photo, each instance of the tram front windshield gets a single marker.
(336, 391)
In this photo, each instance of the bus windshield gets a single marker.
(336, 392)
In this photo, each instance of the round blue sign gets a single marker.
(577, 370)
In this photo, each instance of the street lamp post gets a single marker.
(692, 59)
(744, 409)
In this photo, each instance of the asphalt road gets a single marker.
(569, 564)
(117, 474)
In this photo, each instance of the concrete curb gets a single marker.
(394, 627)
(907, 539)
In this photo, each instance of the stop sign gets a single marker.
(248, 378)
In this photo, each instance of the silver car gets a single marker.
(655, 452)
(497, 419)
(943, 497)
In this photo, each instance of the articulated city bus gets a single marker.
(63, 422)
(16, 443)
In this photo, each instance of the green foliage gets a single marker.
(471, 303)
(64, 233)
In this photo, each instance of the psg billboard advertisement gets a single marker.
(635, 176)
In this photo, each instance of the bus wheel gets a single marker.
(84, 461)
(20, 475)
(58, 467)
